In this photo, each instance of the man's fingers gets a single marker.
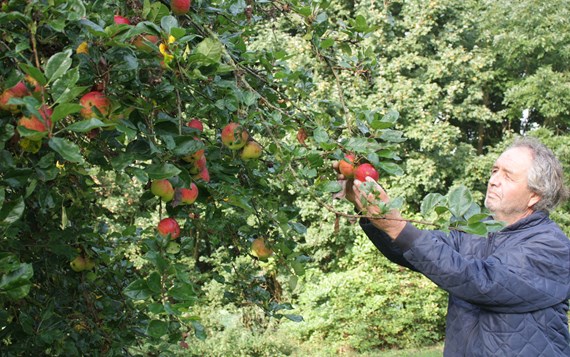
(378, 188)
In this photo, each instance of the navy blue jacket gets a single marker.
(508, 293)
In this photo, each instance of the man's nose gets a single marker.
(494, 180)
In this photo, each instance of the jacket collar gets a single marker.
(531, 220)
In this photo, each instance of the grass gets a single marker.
(431, 351)
(434, 351)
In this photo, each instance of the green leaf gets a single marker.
(393, 136)
(459, 200)
(57, 65)
(64, 89)
(63, 110)
(162, 171)
(478, 228)
(210, 49)
(199, 330)
(241, 202)
(27, 323)
(87, 125)
(186, 145)
(168, 23)
(155, 308)
(391, 168)
(16, 284)
(8, 262)
(477, 218)
(357, 144)
(7, 17)
(387, 121)
(75, 10)
(12, 211)
(157, 328)
(320, 135)
(93, 28)
(360, 24)
(68, 150)
(34, 72)
(494, 226)
(182, 292)
(305, 11)
(298, 227)
(473, 210)
(293, 317)
(326, 43)
(298, 267)
(6, 133)
(138, 290)
(332, 186)
(154, 282)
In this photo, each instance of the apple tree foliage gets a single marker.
(82, 187)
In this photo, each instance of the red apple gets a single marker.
(142, 42)
(302, 136)
(4, 98)
(346, 166)
(120, 20)
(34, 123)
(187, 196)
(196, 124)
(18, 91)
(260, 250)
(203, 175)
(234, 136)
(163, 189)
(251, 150)
(180, 7)
(94, 99)
(364, 170)
(169, 226)
(198, 165)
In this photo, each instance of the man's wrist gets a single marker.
(392, 227)
(407, 236)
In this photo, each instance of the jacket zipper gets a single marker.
(490, 243)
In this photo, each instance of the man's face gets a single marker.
(508, 196)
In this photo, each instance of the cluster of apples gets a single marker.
(350, 169)
(197, 160)
(163, 189)
(235, 137)
(94, 105)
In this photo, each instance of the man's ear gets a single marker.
(534, 199)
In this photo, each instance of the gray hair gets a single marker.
(545, 176)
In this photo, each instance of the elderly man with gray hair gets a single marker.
(508, 292)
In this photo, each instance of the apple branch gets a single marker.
(339, 86)
(179, 108)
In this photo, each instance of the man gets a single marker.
(508, 292)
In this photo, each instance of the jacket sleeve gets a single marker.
(387, 246)
(532, 276)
